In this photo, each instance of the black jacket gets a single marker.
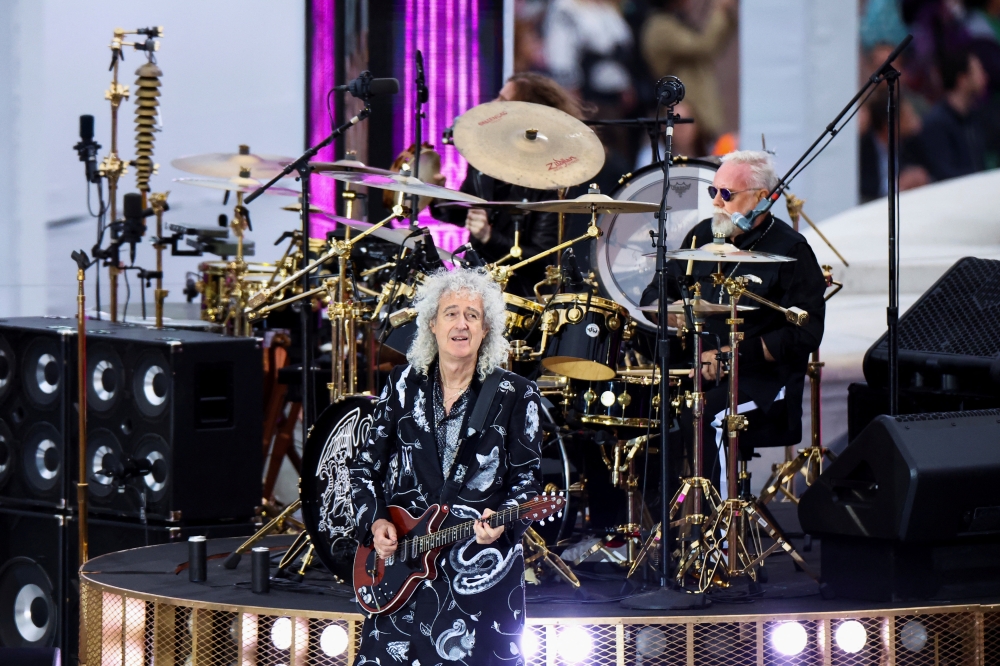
(539, 231)
(797, 283)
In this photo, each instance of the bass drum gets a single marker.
(325, 484)
(618, 255)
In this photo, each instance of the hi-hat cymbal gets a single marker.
(394, 236)
(401, 183)
(487, 205)
(528, 144)
(349, 166)
(244, 185)
(723, 252)
(587, 203)
(232, 165)
(701, 308)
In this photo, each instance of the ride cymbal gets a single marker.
(724, 252)
(589, 203)
(232, 165)
(244, 185)
(401, 183)
(528, 144)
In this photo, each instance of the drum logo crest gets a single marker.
(335, 518)
(593, 330)
(680, 187)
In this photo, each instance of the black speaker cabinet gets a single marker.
(911, 508)
(37, 417)
(173, 417)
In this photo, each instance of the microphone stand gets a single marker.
(418, 116)
(665, 597)
(304, 168)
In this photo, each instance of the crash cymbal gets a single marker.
(401, 183)
(724, 252)
(349, 166)
(297, 208)
(487, 205)
(701, 308)
(600, 203)
(394, 236)
(528, 144)
(232, 165)
(244, 185)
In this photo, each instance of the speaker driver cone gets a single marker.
(7, 367)
(7, 454)
(104, 454)
(106, 378)
(43, 371)
(155, 449)
(42, 457)
(151, 384)
(27, 605)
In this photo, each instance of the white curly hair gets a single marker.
(495, 348)
(762, 174)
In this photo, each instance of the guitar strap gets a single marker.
(476, 423)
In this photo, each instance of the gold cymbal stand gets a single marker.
(809, 460)
(733, 534)
(158, 201)
(237, 270)
(112, 167)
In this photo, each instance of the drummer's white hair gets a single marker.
(495, 348)
(762, 175)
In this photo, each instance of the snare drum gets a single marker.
(585, 334)
(218, 282)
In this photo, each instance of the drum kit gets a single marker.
(580, 343)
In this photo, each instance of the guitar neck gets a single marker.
(446, 537)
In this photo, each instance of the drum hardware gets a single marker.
(733, 537)
(537, 551)
(245, 185)
(621, 464)
(272, 525)
(809, 460)
(527, 144)
(400, 182)
(158, 201)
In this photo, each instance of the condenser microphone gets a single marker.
(365, 86)
(471, 258)
(87, 148)
(134, 225)
(745, 222)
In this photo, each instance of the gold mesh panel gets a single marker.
(932, 639)
(991, 638)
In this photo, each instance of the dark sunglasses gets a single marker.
(726, 193)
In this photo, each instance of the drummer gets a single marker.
(774, 353)
(492, 233)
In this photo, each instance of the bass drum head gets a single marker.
(617, 255)
(325, 485)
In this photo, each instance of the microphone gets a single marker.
(422, 93)
(365, 86)
(571, 268)
(669, 91)
(472, 258)
(429, 254)
(745, 222)
(87, 148)
(134, 225)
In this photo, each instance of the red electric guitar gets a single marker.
(385, 585)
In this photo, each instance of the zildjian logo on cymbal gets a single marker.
(555, 165)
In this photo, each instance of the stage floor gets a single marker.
(139, 601)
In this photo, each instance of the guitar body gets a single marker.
(394, 581)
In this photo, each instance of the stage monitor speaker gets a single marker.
(911, 508)
(37, 419)
(39, 592)
(948, 340)
(174, 420)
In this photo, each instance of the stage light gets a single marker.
(529, 644)
(789, 638)
(850, 636)
(650, 643)
(574, 644)
(913, 636)
(333, 640)
(281, 633)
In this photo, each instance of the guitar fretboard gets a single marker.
(411, 548)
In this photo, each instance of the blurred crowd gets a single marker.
(610, 53)
(949, 113)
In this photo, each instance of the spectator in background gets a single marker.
(952, 135)
(873, 153)
(671, 44)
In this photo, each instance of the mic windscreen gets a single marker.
(86, 128)
(741, 221)
(132, 206)
(384, 86)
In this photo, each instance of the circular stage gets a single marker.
(138, 607)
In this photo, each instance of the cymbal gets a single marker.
(600, 203)
(401, 183)
(488, 205)
(244, 185)
(394, 236)
(701, 308)
(349, 166)
(230, 165)
(723, 252)
(297, 208)
(526, 144)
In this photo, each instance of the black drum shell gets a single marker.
(587, 347)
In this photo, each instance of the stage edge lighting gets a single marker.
(574, 644)
(333, 640)
(281, 633)
(850, 636)
(789, 638)
(913, 636)
(529, 644)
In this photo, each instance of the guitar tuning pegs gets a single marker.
(552, 519)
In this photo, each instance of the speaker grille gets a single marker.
(944, 416)
(961, 315)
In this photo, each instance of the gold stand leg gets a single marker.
(538, 551)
